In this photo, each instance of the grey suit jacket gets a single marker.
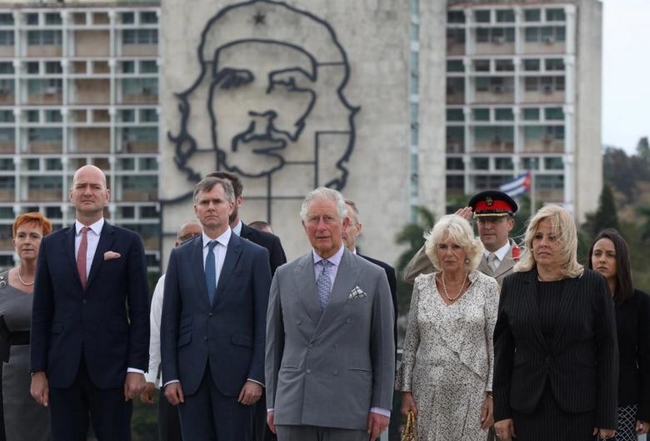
(421, 264)
(329, 369)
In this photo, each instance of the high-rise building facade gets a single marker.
(79, 85)
(523, 94)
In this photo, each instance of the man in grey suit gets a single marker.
(330, 353)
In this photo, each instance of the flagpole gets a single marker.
(533, 206)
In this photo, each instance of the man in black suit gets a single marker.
(272, 243)
(267, 240)
(350, 235)
(90, 319)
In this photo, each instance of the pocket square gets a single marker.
(109, 255)
(357, 293)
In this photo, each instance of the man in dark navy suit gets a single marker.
(213, 323)
(90, 320)
(350, 235)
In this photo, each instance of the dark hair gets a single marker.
(33, 217)
(233, 178)
(624, 284)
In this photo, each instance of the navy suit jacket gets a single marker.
(108, 323)
(230, 333)
(269, 241)
(392, 283)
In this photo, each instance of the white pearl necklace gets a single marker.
(460, 291)
(22, 281)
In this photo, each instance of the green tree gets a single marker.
(606, 215)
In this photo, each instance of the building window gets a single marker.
(148, 115)
(482, 16)
(480, 163)
(44, 183)
(148, 213)
(7, 116)
(140, 183)
(32, 164)
(455, 164)
(6, 87)
(140, 86)
(550, 182)
(128, 17)
(148, 66)
(554, 132)
(53, 67)
(554, 64)
(53, 212)
(140, 36)
(532, 15)
(505, 16)
(481, 114)
(531, 114)
(32, 68)
(148, 164)
(554, 163)
(126, 212)
(7, 135)
(455, 139)
(493, 134)
(53, 19)
(455, 17)
(127, 115)
(44, 38)
(7, 164)
(45, 134)
(31, 19)
(455, 182)
(503, 164)
(7, 183)
(531, 65)
(52, 164)
(504, 66)
(481, 65)
(33, 116)
(6, 38)
(504, 114)
(455, 115)
(555, 14)
(141, 134)
(455, 66)
(53, 116)
(50, 86)
(495, 35)
(128, 66)
(127, 164)
(6, 19)
(6, 68)
(554, 114)
(148, 17)
(455, 36)
(482, 84)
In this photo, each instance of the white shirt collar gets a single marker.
(96, 227)
(237, 228)
(224, 239)
(335, 258)
(501, 253)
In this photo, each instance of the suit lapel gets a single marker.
(529, 294)
(69, 250)
(196, 266)
(485, 268)
(346, 276)
(106, 238)
(568, 297)
(230, 262)
(306, 280)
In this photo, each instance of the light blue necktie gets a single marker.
(210, 272)
(324, 284)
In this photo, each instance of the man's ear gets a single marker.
(359, 227)
(239, 199)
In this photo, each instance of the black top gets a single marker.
(549, 295)
(633, 328)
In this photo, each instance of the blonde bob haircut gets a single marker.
(564, 228)
(460, 232)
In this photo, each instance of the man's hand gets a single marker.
(270, 421)
(40, 388)
(604, 433)
(376, 424)
(149, 391)
(174, 393)
(465, 212)
(134, 385)
(250, 393)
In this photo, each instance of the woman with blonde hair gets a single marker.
(555, 350)
(446, 376)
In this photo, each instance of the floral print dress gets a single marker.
(448, 357)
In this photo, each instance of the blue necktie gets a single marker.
(210, 272)
(324, 284)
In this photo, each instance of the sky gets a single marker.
(626, 73)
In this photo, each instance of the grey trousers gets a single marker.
(315, 433)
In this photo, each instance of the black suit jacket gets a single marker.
(581, 363)
(392, 282)
(269, 241)
(633, 327)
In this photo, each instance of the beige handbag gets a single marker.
(409, 432)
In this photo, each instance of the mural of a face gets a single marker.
(261, 96)
(268, 100)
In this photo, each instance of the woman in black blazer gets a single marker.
(610, 257)
(556, 355)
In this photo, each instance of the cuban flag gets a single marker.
(518, 186)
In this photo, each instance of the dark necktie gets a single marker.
(82, 256)
(210, 271)
(324, 284)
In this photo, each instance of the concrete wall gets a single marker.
(374, 36)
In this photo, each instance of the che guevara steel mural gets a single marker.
(268, 102)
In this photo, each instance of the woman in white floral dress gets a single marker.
(446, 377)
